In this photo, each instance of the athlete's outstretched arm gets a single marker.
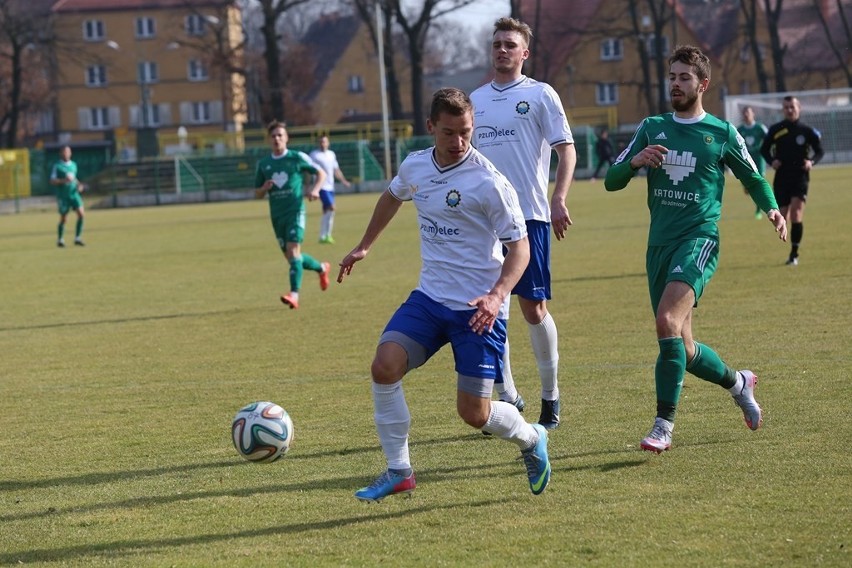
(386, 208)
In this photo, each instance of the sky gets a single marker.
(483, 12)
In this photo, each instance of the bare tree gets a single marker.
(644, 58)
(23, 44)
(272, 11)
(749, 9)
(416, 29)
(838, 53)
(773, 12)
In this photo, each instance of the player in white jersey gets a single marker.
(518, 122)
(325, 158)
(466, 213)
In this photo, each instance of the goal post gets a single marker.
(827, 110)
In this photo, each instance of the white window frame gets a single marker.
(650, 39)
(145, 27)
(196, 71)
(355, 84)
(612, 49)
(94, 30)
(99, 118)
(201, 112)
(147, 72)
(606, 94)
(96, 76)
(195, 25)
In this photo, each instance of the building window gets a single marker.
(355, 84)
(612, 50)
(151, 119)
(99, 118)
(194, 25)
(93, 30)
(145, 27)
(197, 71)
(146, 72)
(95, 76)
(651, 45)
(201, 112)
(606, 94)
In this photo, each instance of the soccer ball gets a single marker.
(262, 432)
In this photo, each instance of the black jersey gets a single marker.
(792, 143)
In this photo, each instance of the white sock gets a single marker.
(392, 423)
(504, 421)
(738, 386)
(329, 224)
(323, 227)
(545, 343)
(506, 390)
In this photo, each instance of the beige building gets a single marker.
(589, 51)
(146, 66)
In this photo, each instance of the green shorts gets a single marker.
(693, 261)
(289, 227)
(66, 204)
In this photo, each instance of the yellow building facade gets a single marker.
(146, 66)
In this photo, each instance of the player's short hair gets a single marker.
(791, 99)
(449, 100)
(513, 25)
(275, 124)
(694, 57)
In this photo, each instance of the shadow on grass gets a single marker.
(600, 278)
(120, 320)
(134, 547)
(124, 475)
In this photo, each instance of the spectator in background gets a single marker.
(604, 151)
(327, 160)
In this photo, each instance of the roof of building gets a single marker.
(64, 6)
(327, 39)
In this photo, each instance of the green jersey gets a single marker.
(685, 192)
(66, 171)
(753, 136)
(285, 171)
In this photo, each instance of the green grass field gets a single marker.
(123, 363)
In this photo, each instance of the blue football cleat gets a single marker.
(537, 462)
(388, 483)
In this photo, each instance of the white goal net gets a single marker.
(829, 111)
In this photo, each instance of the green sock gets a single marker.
(296, 274)
(79, 229)
(310, 263)
(709, 366)
(668, 376)
(60, 230)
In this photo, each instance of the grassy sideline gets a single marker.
(122, 364)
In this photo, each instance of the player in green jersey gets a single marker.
(68, 190)
(281, 176)
(686, 153)
(753, 133)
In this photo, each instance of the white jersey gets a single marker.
(516, 127)
(464, 212)
(327, 161)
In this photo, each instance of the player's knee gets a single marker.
(473, 416)
(388, 367)
(534, 311)
(667, 325)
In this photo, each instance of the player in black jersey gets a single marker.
(792, 149)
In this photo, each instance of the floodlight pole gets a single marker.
(380, 37)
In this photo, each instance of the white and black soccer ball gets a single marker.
(262, 432)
